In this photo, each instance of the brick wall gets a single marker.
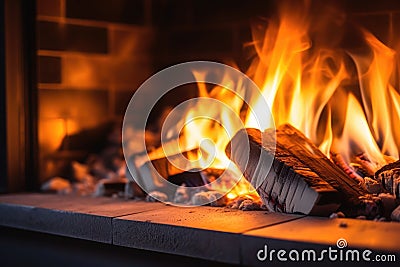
(382, 18)
(93, 54)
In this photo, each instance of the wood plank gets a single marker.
(302, 179)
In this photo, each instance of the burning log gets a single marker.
(341, 163)
(156, 174)
(389, 177)
(153, 175)
(302, 179)
(110, 187)
(396, 214)
(366, 165)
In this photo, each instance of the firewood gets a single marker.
(302, 179)
(389, 177)
(152, 175)
(396, 214)
(366, 164)
(110, 187)
(341, 163)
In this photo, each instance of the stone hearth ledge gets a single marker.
(218, 234)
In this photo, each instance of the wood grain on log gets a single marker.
(302, 179)
(152, 174)
(389, 177)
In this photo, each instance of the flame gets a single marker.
(346, 102)
(211, 133)
(311, 83)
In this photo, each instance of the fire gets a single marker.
(347, 102)
(311, 83)
(210, 126)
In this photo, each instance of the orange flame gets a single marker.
(307, 81)
(345, 102)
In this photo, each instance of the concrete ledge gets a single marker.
(202, 232)
(71, 224)
(79, 217)
(217, 234)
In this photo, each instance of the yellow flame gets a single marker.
(345, 102)
(305, 81)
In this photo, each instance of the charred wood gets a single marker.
(302, 179)
(389, 177)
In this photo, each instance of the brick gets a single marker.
(70, 103)
(376, 24)
(49, 7)
(200, 41)
(131, 71)
(394, 38)
(85, 71)
(228, 11)
(121, 11)
(49, 69)
(50, 35)
(208, 12)
(68, 37)
(372, 6)
(168, 14)
(131, 42)
(122, 99)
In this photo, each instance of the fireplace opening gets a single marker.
(319, 67)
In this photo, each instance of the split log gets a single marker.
(396, 214)
(389, 177)
(341, 163)
(152, 175)
(302, 179)
(159, 171)
(110, 187)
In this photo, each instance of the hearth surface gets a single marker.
(218, 234)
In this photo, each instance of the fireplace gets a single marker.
(86, 59)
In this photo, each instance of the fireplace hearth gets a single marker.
(215, 234)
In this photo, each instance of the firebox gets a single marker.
(78, 76)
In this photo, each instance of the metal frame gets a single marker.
(19, 97)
